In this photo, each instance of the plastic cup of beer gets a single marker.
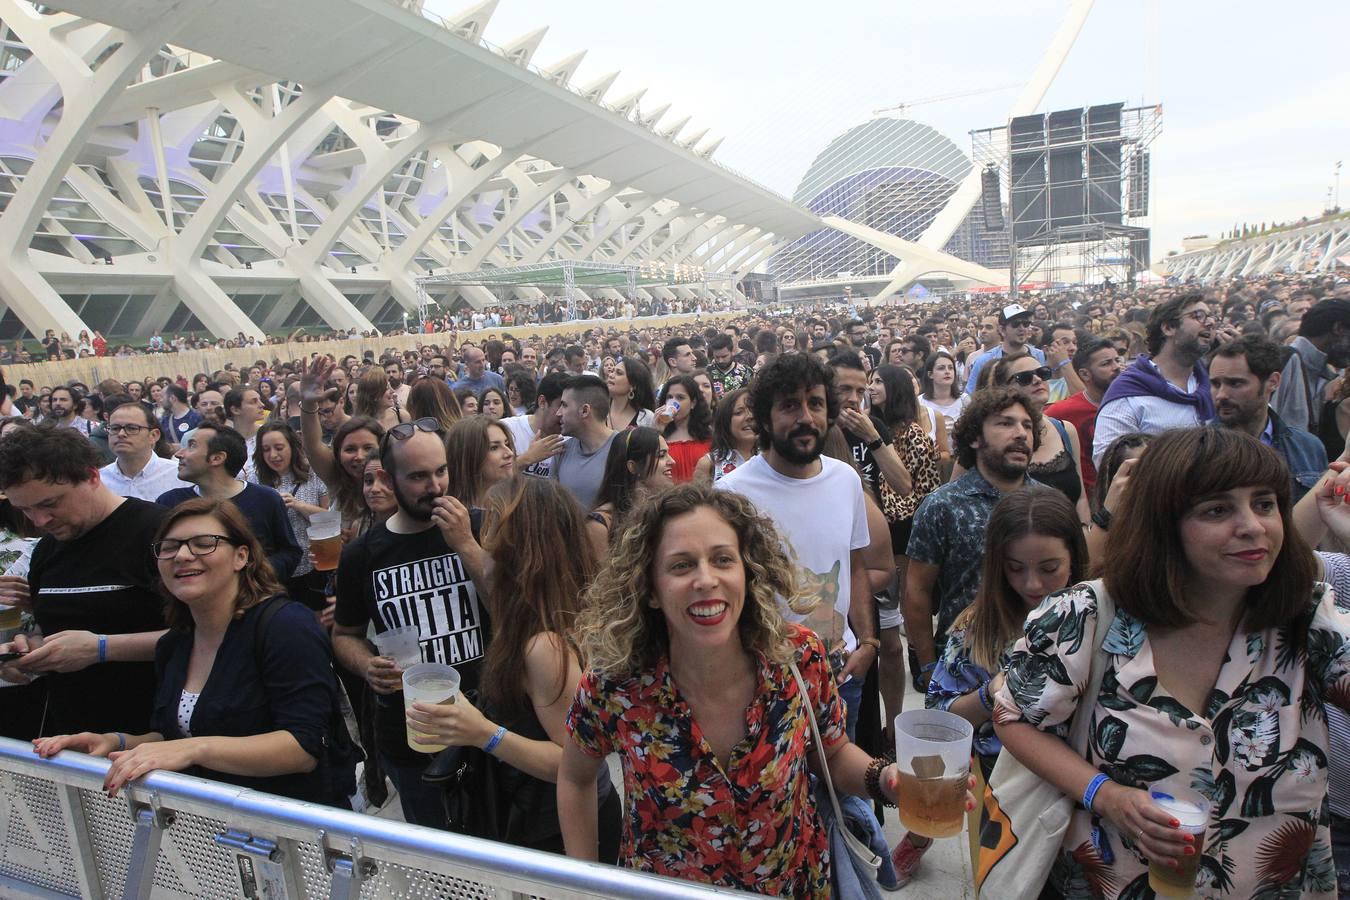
(932, 756)
(1191, 809)
(402, 645)
(431, 683)
(325, 542)
(11, 617)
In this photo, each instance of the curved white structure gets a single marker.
(1315, 247)
(253, 166)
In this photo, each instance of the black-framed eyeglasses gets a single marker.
(198, 545)
(1200, 315)
(129, 430)
(1024, 379)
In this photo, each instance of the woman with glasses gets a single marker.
(247, 693)
(1055, 460)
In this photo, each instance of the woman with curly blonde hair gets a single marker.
(691, 683)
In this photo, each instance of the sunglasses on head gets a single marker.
(405, 430)
(1024, 379)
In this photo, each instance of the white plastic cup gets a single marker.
(402, 645)
(1191, 809)
(325, 543)
(431, 683)
(932, 756)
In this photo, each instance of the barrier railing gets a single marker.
(176, 836)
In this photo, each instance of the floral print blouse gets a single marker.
(1258, 750)
(955, 676)
(751, 825)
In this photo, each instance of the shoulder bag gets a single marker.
(861, 853)
(1026, 817)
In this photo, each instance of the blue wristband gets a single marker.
(1090, 792)
(501, 733)
(985, 700)
(102, 648)
(121, 740)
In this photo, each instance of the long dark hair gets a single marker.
(1111, 461)
(432, 398)
(926, 376)
(618, 487)
(901, 408)
(639, 382)
(346, 489)
(299, 462)
(723, 441)
(700, 416)
(995, 619)
(543, 562)
(466, 446)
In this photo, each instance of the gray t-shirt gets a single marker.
(581, 472)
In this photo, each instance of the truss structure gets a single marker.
(1322, 246)
(188, 165)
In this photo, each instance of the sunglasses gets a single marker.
(1024, 379)
(405, 430)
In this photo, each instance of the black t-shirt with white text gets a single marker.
(412, 579)
(863, 458)
(104, 582)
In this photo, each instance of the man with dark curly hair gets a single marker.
(817, 505)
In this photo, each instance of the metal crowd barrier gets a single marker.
(175, 836)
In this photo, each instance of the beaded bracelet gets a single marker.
(872, 781)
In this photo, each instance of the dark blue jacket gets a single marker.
(1304, 453)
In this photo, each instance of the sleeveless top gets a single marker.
(724, 463)
(1060, 472)
(1328, 431)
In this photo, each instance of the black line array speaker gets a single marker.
(990, 202)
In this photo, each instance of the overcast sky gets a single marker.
(1256, 98)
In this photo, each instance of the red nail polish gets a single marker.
(1174, 823)
(1188, 851)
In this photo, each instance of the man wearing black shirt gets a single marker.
(420, 567)
(91, 588)
(867, 435)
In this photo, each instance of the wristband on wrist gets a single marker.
(1090, 792)
(874, 643)
(121, 740)
(497, 739)
(309, 412)
(985, 700)
(1102, 519)
(874, 446)
(102, 648)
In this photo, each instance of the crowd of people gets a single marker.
(550, 311)
(631, 541)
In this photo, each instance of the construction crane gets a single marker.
(901, 107)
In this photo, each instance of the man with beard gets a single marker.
(1015, 329)
(1245, 374)
(1322, 346)
(1097, 364)
(65, 402)
(818, 507)
(993, 441)
(418, 568)
(393, 370)
(1167, 387)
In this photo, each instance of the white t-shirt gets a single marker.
(522, 435)
(822, 519)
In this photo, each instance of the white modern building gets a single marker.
(253, 166)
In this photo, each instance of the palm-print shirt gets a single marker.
(955, 676)
(751, 825)
(949, 533)
(1258, 750)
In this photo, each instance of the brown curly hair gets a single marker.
(620, 633)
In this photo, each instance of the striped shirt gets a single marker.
(1150, 415)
